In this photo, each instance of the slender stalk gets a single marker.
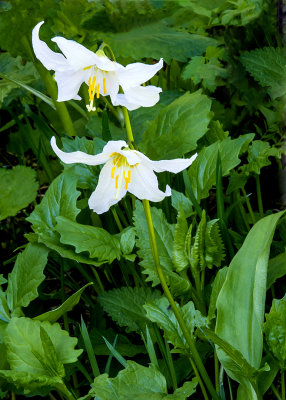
(98, 280)
(282, 384)
(275, 392)
(249, 206)
(259, 196)
(216, 368)
(242, 210)
(171, 366)
(191, 344)
(128, 128)
(117, 220)
(190, 193)
(203, 389)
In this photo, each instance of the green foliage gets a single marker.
(139, 382)
(180, 200)
(276, 269)
(258, 156)
(18, 189)
(159, 311)
(26, 277)
(125, 306)
(268, 67)
(244, 291)
(275, 330)
(202, 172)
(127, 240)
(180, 255)
(178, 127)
(164, 233)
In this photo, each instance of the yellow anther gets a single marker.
(104, 85)
(97, 91)
(87, 68)
(112, 172)
(127, 179)
(116, 182)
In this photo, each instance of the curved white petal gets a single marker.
(139, 96)
(114, 146)
(105, 194)
(137, 73)
(78, 156)
(144, 184)
(69, 83)
(175, 166)
(106, 64)
(50, 59)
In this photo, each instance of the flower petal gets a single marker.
(139, 96)
(137, 73)
(69, 83)
(78, 156)
(50, 59)
(144, 184)
(175, 166)
(105, 194)
(114, 146)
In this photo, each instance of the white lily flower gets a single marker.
(77, 64)
(125, 170)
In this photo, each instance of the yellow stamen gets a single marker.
(97, 91)
(127, 179)
(112, 172)
(116, 182)
(87, 68)
(104, 85)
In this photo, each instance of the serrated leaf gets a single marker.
(275, 330)
(22, 339)
(68, 305)
(180, 256)
(26, 277)
(157, 40)
(164, 233)
(258, 156)
(214, 247)
(197, 259)
(96, 241)
(18, 189)
(202, 172)
(268, 67)
(178, 127)
(125, 306)
(159, 311)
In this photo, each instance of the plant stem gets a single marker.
(282, 384)
(275, 392)
(190, 193)
(216, 368)
(128, 128)
(249, 206)
(259, 196)
(199, 379)
(191, 344)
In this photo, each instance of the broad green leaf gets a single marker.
(4, 311)
(178, 127)
(125, 306)
(276, 269)
(275, 330)
(240, 12)
(23, 341)
(26, 277)
(268, 67)
(258, 156)
(96, 241)
(127, 240)
(157, 40)
(240, 304)
(18, 189)
(216, 287)
(180, 256)
(178, 200)
(164, 233)
(140, 383)
(159, 311)
(202, 172)
(68, 305)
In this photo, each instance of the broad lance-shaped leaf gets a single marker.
(268, 67)
(140, 383)
(202, 172)
(96, 241)
(178, 127)
(164, 233)
(275, 330)
(68, 305)
(240, 304)
(18, 189)
(159, 311)
(276, 269)
(125, 306)
(26, 277)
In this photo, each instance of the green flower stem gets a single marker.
(275, 392)
(282, 384)
(128, 128)
(191, 344)
(117, 220)
(253, 220)
(199, 379)
(98, 280)
(61, 108)
(259, 197)
(216, 368)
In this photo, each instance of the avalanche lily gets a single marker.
(77, 64)
(125, 170)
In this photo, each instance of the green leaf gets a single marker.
(258, 156)
(159, 311)
(68, 305)
(268, 67)
(240, 12)
(26, 277)
(202, 172)
(178, 127)
(18, 189)
(164, 233)
(127, 240)
(244, 292)
(157, 40)
(125, 306)
(276, 269)
(96, 241)
(178, 200)
(23, 341)
(180, 256)
(275, 330)
(140, 383)
(216, 287)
